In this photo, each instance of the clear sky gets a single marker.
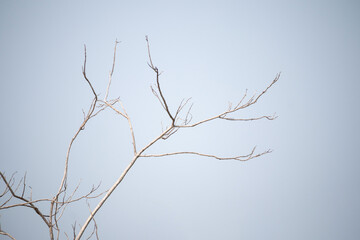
(212, 51)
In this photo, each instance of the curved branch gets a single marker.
(6, 234)
(250, 119)
(238, 158)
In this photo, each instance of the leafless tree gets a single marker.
(17, 195)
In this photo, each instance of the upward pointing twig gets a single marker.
(156, 70)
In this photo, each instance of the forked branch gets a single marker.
(27, 203)
(185, 123)
(161, 97)
(238, 107)
(56, 206)
(111, 103)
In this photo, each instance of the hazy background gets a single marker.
(212, 51)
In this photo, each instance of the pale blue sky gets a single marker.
(308, 188)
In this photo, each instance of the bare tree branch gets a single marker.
(250, 119)
(82, 126)
(24, 204)
(118, 181)
(131, 128)
(238, 158)
(84, 74)
(156, 70)
(181, 118)
(95, 229)
(6, 234)
(173, 129)
(112, 102)
(238, 107)
(112, 70)
(55, 207)
(74, 230)
(29, 204)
